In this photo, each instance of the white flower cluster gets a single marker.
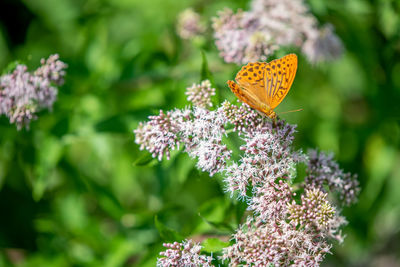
(280, 231)
(189, 24)
(186, 253)
(23, 94)
(200, 94)
(248, 36)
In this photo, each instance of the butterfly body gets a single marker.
(264, 85)
(251, 100)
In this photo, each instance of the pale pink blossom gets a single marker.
(186, 253)
(254, 35)
(279, 231)
(276, 243)
(200, 94)
(324, 171)
(189, 24)
(23, 94)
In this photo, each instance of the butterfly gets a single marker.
(263, 85)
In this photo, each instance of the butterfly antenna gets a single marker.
(300, 109)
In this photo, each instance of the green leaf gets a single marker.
(61, 127)
(221, 226)
(166, 233)
(212, 245)
(49, 152)
(215, 209)
(144, 160)
(114, 124)
(240, 209)
(10, 67)
(206, 75)
(389, 19)
(214, 213)
(120, 252)
(205, 71)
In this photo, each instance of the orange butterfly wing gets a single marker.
(279, 77)
(250, 87)
(263, 85)
(251, 78)
(245, 96)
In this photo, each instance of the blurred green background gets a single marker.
(76, 191)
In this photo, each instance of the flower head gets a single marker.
(189, 24)
(323, 45)
(266, 157)
(279, 232)
(202, 136)
(200, 94)
(52, 69)
(186, 253)
(23, 94)
(243, 118)
(315, 210)
(160, 135)
(199, 130)
(269, 201)
(248, 36)
(323, 171)
(275, 243)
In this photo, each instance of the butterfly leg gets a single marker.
(274, 120)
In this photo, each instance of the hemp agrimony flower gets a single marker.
(199, 130)
(265, 159)
(159, 135)
(324, 171)
(200, 94)
(186, 253)
(253, 35)
(23, 94)
(275, 243)
(314, 209)
(280, 230)
(243, 118)
(189, 24)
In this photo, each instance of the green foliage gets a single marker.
(75, 190)
(144, 159)
(207, 75)
(213, 245)
(167, 234)
(10, 67)
(205, 71)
